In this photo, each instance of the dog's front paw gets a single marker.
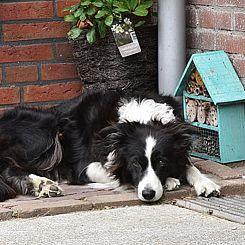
(172, 184)
(206, 187)
(44, 187)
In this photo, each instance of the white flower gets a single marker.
(127, 21)
(113, 28)
(119, 29)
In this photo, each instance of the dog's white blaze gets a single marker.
(97, 173)
(200, 182)
(150, 179)
(145, 111)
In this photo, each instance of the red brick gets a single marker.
(202, 2)
(26, 10)
(200, 39)
(21, 74)
(33, 52)
(16, 32)
(240, 22)
(235, 3)
(231, 43)
(59, 71)
(214, 19)
(52, 92)
(191, 17)
(1, 75)
(64, 51)
(9, 96)
(239, 64)
(61, 4)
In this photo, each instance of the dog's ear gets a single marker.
(184, 135)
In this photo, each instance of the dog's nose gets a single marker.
(148, 194)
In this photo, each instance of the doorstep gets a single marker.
(82, 198)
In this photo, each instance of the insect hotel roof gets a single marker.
(218, 75)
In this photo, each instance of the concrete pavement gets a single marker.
(153, 224)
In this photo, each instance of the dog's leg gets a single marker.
(25, 183)
(18, 180)
(100, 177)
(172, 184)
(202, 184)
(44, 187)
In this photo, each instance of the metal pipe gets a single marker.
(171, 44)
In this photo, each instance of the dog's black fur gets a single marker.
(59, 143)
(30, 141)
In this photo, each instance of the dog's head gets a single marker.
(145, 155)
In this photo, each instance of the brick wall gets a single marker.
(36, 65)
(218, 25)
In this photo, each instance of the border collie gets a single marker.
(104, 138)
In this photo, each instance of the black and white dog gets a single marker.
(102, 137)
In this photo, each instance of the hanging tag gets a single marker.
(125, 37)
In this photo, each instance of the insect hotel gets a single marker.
(214, 102)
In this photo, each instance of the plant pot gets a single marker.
(101, 66)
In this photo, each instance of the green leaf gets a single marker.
(140, 23)
(85, 3)
(146, 4)
(82, 17)
(126, 4)
(71, 8)
(133, 4)
(91, 35)
(109, 20)
(97, 3)
(78, 12)
(121, 10)
(74, 33)
(91, 11)
(119, 4)
(110, 1)
(70, 18)
(141, 11)
(101, 13)
(102, 28)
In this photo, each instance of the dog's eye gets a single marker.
(162, 163)
(136, 164)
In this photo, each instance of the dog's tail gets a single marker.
(6, 192)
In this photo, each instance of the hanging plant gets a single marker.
(94, 18)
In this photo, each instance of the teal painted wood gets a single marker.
(218, 75)
(226, 91)
(205, 156)
(232, 132)
(185, 109)
(184, 78)
(206, 126)
(197, 97)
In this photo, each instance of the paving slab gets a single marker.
(82, 198)
(238, 166)
(219, 170)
